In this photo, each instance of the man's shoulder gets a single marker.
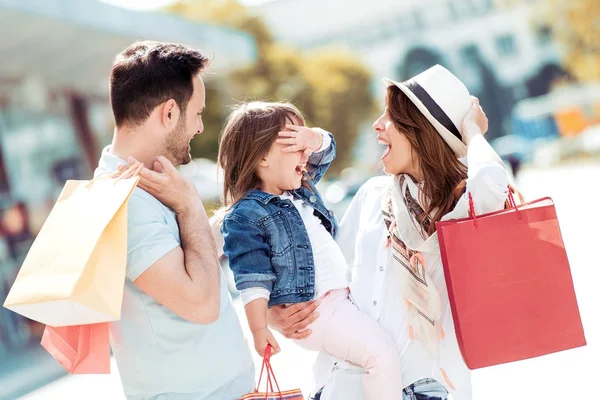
(143, 205)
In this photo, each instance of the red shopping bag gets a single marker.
(270, 393)
(509, 284)
(80, 349)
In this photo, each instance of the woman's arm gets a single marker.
(487, 178)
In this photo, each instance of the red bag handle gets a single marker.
(266, 365)
(511, 200)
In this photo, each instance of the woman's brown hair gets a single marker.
(250, 131)
(444, 176)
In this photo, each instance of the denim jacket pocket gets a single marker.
(279, 232)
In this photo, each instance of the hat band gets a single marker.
(433, 107)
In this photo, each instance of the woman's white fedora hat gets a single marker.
(443, 99)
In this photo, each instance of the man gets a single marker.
(179, 336)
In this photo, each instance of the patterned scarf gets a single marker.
(407, 225)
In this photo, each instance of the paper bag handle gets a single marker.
(133, 169)
(511, 200)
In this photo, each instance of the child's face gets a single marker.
(281, 171)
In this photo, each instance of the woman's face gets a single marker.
(398, 155)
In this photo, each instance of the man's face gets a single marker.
(177, 145)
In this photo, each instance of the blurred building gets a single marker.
(54, 119)
(496, 52)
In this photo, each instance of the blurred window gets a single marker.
(543, 35)
(468, 54)
(506, 45)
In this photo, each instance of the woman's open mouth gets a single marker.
(387, 145)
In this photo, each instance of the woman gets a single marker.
(388, 234)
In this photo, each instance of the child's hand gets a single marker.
(300, 138)
(262, 337)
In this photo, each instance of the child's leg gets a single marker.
(345, 332)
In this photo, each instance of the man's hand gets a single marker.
(289, 320)
(167, 184)
(300, 138)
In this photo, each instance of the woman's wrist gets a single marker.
(470, 131)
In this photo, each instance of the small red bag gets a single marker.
(509, 284)
(80, 349)
(271, 394)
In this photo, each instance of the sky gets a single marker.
(152, 4)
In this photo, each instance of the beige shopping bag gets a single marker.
(74, 272)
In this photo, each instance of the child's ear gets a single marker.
(263, 162)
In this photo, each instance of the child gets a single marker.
(279, 238)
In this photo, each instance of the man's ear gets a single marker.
(169, 114)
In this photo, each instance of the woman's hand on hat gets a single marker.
(300, 138)
(475, 122)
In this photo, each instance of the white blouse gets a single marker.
(362, 237)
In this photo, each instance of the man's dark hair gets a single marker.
(149, 73)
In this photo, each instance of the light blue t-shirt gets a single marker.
(159, 354)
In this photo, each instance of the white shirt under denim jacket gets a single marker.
(363, 238)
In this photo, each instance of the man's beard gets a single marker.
(177, 145)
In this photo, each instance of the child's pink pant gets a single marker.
(343, 331)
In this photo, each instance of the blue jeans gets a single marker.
(423, 389)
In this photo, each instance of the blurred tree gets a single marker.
(575, 24)
(329, 86)
(339, 98)
(206, 145)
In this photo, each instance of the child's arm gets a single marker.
(317, 144)
(249, 258)
(320, 160)
(256, 312)
(246, 247)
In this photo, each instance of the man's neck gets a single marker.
(131, 143)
